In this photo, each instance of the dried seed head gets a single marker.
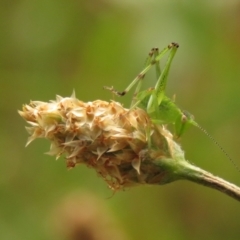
(118, 143)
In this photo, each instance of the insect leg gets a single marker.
(162, 80)
(150, 62)
(157, 65)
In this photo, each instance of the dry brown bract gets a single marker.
(117, 142)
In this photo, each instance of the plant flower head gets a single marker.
(120, 144)
(126, 147)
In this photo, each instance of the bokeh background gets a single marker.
(50, 47)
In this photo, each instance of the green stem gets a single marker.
(198, 175)
(181, 169)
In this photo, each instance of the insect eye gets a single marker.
(184, 118)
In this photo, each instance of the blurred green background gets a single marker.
(52, 47)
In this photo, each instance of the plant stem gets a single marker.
(198, 175)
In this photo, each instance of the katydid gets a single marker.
(160, 108)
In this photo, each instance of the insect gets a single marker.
(160, 108)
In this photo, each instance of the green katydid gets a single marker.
(160, 108)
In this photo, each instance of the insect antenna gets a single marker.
(219, 146)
